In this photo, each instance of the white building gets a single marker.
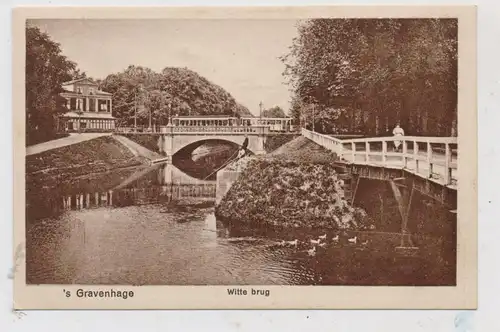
(89, 109)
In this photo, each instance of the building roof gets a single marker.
(97, 93)
(83, 80)
(87, 81)
(93, 115)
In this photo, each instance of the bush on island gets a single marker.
(283, 194)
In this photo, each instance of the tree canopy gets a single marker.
(274, 112)
(364, 75)
(172, 91)
(46, 70)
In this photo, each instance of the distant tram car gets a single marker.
(196, 121)
(274, 124)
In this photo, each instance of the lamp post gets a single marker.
(314, 119)
(260, 113)
(147, 98)
(169, 105)
(135, 112)
(79, 112)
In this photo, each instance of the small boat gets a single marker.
(293, 243)
(322, 245)
(335, 238)
(315, 241)
(322, 237)
(312, 252)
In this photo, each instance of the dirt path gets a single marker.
(59, 143)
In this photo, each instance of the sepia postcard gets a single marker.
(245, 157)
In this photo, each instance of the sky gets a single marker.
(241, 56)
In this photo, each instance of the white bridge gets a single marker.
(431, 158)
(171, 138)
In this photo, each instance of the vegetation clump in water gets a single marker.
(300, 192)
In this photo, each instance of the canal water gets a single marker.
(145, 231)
(156, 226)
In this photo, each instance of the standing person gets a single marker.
(397, 131)
(242, 152)
(243, 148)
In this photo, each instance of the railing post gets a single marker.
(367, 152)
(415, 155)
(353, 151)
(447, 161)
(429, 159)
(405, 152)
(384, 152)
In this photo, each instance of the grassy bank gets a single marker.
(296, 187)
(275, 141)
(150, 142)
(94, 156)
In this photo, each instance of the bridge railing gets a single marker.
(431, 157)
(331, 143)
(215, 129)
(264, 129)
(138, 129)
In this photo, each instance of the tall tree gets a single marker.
(274, 112)
(373, 73)
(171, 92)
(46, 70)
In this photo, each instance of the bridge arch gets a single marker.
(171, 144)
(202, 140)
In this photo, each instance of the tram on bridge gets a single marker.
(274, 124)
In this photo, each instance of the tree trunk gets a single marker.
(454, 129)
(425, 120)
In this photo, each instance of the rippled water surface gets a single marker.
(149, 232)
(146, 245)
(156, 226)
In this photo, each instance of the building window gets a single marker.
(70, 125)
(79, 105)
(91, 91)
(103, 107)
(78, 90)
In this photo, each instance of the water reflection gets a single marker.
(202, 161)
(158, 184)
(154, 226)
(140, 196)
